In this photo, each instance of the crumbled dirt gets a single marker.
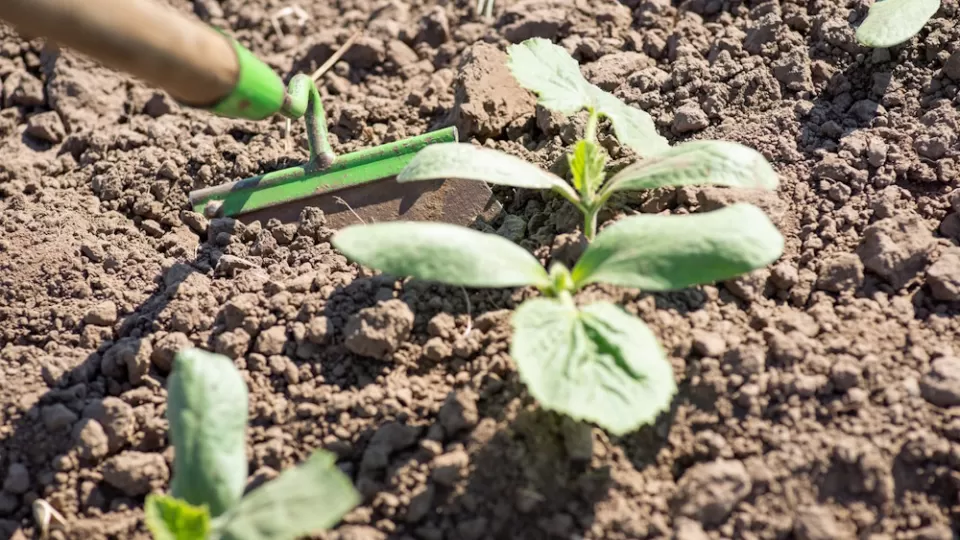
(818, 397)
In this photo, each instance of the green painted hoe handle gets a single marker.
(196, 64)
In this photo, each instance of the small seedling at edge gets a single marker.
(595, 363)
(207, 408)
(485, 8)
(554, 75)
(892, 22)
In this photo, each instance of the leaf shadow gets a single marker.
(518, 482)
(344, 368)
(45, 434)
(524, 483)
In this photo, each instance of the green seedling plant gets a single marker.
(892, 22)
(596, 363)
(549, 71)
(484, 8)
(207, 404)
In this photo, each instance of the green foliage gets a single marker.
(634, 128)
(594, 363)
(440, 251)
(892, 22)
(308, 498)
(719, 163)
(484, 8)
(169, 518)
(470, 162)
(207, 404)
(207, 410)
(586, 165)
(549, 71)
(669, 252)
(598, 364)
(555, 76)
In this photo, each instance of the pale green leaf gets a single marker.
(587, 164)
(168, 518)
(468, 162)
(303, 500)
(441, 252)
(549, 71)
(599, 364)
(207, 409)
(659, 253)
(720, 163)
(634, 128)
(892, 22)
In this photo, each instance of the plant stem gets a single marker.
(590, 222)
(566, 299)
(592, 122)
(587, 205)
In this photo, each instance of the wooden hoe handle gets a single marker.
(197, 65)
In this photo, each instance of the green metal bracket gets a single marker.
(303, 181)
(259, 93)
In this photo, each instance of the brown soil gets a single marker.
(818, 398)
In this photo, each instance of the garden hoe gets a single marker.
(203, 68)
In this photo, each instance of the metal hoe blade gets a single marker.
(351, 188)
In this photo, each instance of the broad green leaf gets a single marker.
(549, 71)
(599, 364)
(207, 409)
(586, 164)
(659, 253)
(168, 518)
(634, 128)
(892, 22)
(441, 252)
(721, 163)
(303, 500)
(468, 162)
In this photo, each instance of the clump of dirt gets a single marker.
(817, 397)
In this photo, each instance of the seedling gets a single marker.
(892, 22)
(207, 409)
(485, 8)
(554, 75)
(595, 363)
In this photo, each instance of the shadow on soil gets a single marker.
(851, 100)
(521, 473)
(534, 478)
(41, 440)
(529, 479)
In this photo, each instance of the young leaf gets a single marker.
(634, 127)
(549, 71)
(207, 410)
(305, 499)
(168, 518)
(586, 165)
(659, 253)
(468, 162)
(721, 163)
(892, 22)
(599, 364)
(441, 252)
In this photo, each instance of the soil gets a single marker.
(819, 398)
